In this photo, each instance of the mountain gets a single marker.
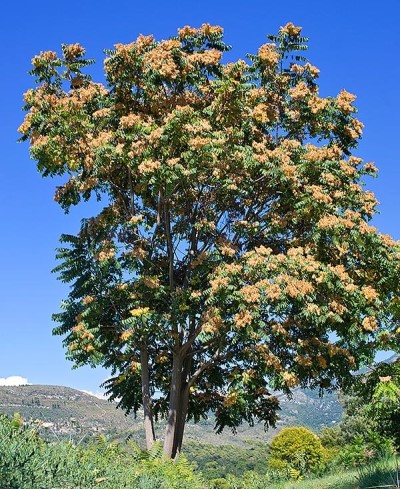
(66, 412)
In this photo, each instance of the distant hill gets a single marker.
(66, 412)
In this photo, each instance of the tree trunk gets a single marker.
(147, 405)
(184, 403)
(181, 420)
(174, 406)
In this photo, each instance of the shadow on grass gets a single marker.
(383, 475)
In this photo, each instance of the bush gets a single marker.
(296, 450)
(366, 448)
(28, 462)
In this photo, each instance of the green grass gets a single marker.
(345, 480)
(381, 474)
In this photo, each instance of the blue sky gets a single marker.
(354, 43)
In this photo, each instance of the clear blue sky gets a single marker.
(354, 43)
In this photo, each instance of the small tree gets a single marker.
(233, 250)
(375, 400)
(296, 448)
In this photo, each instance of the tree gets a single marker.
(232, 253)
(374, 399)
(296, 448)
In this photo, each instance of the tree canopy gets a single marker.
(233, 252)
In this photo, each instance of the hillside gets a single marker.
(67, 412)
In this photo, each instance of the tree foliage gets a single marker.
(296, 448)
(375, 399)
(233, 251)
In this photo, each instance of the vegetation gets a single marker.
(297, 451)
(72, 414)
(296, 458)
(216, 461)
(375, 396)
(27, 462)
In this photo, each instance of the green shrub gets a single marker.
(366, 448)
(296, 448)
(27, 462)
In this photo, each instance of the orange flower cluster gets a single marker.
(290, 29)
(356, 130)
(226, 247)
(344, 101)
(87, 300)
(331, 221)
(304, 361)
(105, 255)
(205, 30)
(298, 288)
(231, 399)
(82, 332)
(160, 59)
(211, 321)
(136, 219)
(300, 91)
(268, 54)
(88, 92)
(151, 282)
(149, 166)
(102, 139)
(219, 282)
(387, 240)
(101, 113)
(290, 379)
(139, 311)
(370, 293)
(73, 51)
(314, 153)
(319, 195)
(370, 167)
(313, 70)
(143, 42)
(242, 319)
(208, 57)
(129, 121)
(138, 252)
(272, 291)
(125, 335)
(370, 324)
(187, 31)
(199, 259)
(313, 309)
(260, 113)
(317, 104)
(250, 294)
(232, 268)
(43, 58)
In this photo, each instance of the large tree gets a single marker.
(232, 253)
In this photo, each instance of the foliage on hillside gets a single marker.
(216, 461)
(57, 405)
(66, 412)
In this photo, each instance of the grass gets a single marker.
(345, 480)
(382, 475)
